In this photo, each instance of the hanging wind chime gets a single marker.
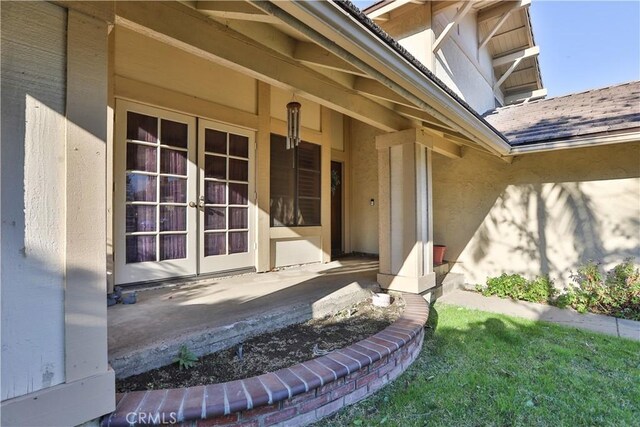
(293, 124)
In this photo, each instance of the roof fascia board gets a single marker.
(579, 142)
(328, 17)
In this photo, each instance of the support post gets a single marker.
(263, 142)
(406, 214)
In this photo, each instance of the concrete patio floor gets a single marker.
(216, 313)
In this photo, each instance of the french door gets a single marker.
(182, 202)
(225, 205)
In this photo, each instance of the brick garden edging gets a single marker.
(294, 396)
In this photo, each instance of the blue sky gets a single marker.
(584, 44)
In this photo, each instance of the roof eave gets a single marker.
(592, 140)
(346, 31)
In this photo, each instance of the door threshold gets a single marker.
(185, 280)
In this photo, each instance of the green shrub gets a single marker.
(615, 294)
(517, 287)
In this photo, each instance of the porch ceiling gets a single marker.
(258, 42)
(283, 38)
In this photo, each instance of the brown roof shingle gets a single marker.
(605, 110)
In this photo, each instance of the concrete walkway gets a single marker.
(593, 322)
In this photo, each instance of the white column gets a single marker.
(406, 214)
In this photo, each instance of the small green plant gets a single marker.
(186, 359)
(517, 287)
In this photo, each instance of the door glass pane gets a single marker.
(238, 194)
(282, 173)
(215, 192)
(173, 161)
(308, 211)
(141, 127)
(173, 246)
(215, 141)
(238, 242)
(281, 210)
(238, 146)
(226, 159)
(173, 190)
(238, 170)
(141, 249)
(214, 219)
(215, 167)
(238, 218)
(215, 244)
(173, 218)
(141, 158)
(173, 133)
(141, 218)
(141, 188)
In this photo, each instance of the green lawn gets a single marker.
(484, 369)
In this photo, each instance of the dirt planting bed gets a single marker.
(272, 351)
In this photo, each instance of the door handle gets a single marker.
(198, 204)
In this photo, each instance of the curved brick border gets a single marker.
(294, 396)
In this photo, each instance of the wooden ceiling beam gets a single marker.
(522, 87)
(418, 114)
(521, 54)
(494, 30)
(311, 53)
(378, 90)
(503, 18)
(510, 32)
(442, 145)
(239, 10)
(456, 138)
(385, 9)
(507, 73)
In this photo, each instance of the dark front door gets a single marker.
(336, 209)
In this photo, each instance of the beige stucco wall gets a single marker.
(364, 187)
(141, 58)
(543, 214)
